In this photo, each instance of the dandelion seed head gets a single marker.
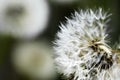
(24, 19)
(65, 1)
(81, 47)
(34, 60)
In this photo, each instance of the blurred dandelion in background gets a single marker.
(34, 59)
(23, 18)
(82, 50)
(65, 1)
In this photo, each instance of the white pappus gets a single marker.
(81, 49)
(24, 19)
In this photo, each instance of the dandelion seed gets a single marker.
(81, 48)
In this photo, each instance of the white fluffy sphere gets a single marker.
(65, 1)
(23, 18)
(81, 48)
(34, 60)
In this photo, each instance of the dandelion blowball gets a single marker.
(33, 60)
(65, 1)
(81, 49)
(23, 18)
